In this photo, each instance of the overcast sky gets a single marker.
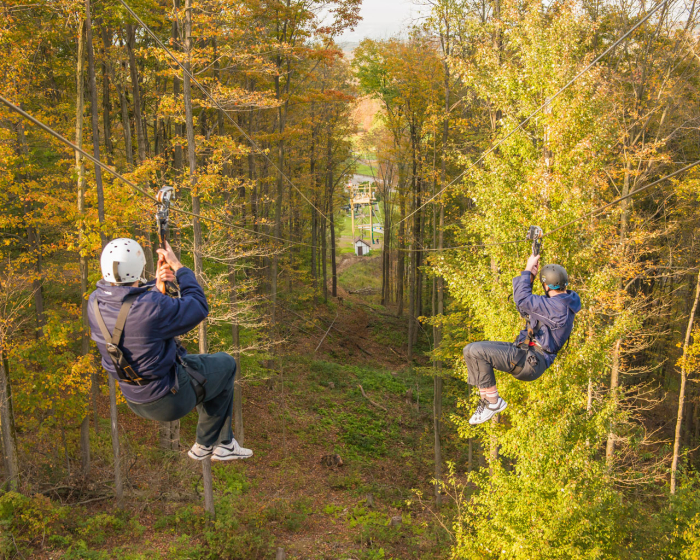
(382, 19)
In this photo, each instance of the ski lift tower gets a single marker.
(361, 195)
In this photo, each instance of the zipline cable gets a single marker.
(594, 212)
(547, 102)
(213, 100)
(620, 199)
(121, 177)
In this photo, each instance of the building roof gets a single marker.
(363, 241)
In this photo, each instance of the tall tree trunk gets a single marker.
(615, 371)
(136, 92)
(126, 125)
(177, 151)
(239, 432)
(106, 102)
(334, 274)
(82, 252)
(141, 139)
(614, 384)
(324, 257)
(401, 256)
(191, 157)
(681, 394)
(101, 216)
(314, 217)
(7, 425)
(439, 282)
(278, 207)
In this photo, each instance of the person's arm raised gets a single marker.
(179, 316)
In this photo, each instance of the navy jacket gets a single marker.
(148, 340)
(552, 318)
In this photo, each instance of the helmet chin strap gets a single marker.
(546, 289)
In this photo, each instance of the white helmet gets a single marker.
(122, 261)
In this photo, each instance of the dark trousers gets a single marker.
(214, 425)
(485, 356)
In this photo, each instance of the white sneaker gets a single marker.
(486, 410)
(230, 452)
(200, 452)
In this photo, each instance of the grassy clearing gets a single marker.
(366, 273)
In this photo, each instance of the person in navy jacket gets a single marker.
(550, 321)
(165, 383)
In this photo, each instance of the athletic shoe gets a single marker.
(486, 410)
(230, 452)
(200, 452)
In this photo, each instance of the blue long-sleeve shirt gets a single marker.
(552, 318)
(148, 341)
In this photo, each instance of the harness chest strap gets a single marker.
(123, 368)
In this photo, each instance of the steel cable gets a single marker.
(538, 110)
(121, 177)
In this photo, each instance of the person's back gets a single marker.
(551, 317)
(550, 321)
(134, 325)
(152, 324)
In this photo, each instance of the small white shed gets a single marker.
(362, 247)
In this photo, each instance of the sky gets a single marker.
(382, 19)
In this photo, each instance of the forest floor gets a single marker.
(354, 398)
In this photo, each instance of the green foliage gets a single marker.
(25, 521)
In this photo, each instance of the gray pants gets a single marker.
(214, 424)
(483, 357)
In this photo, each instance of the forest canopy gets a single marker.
(475, 123)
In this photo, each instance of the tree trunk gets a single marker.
(324, 259)
(7, 426)
(126, 125)
(191, 157)
(177, 150)
(334, 274)
(411, 297)
(493, 455)
(82, 253)
(681, 395)
(101, 216)
(136, 92)
(400, 258)
(615, 371)
(278, 218)
(614, 383)
(235, 338)
(106, 102)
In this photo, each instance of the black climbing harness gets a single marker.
(125, 372)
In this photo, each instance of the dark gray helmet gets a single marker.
(554, 276)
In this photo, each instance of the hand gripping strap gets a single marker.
(123, 368)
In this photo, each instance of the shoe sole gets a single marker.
(489, 418)
(193, 456)
(230, 457)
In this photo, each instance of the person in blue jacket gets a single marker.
(157, 377)
(550, 321)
